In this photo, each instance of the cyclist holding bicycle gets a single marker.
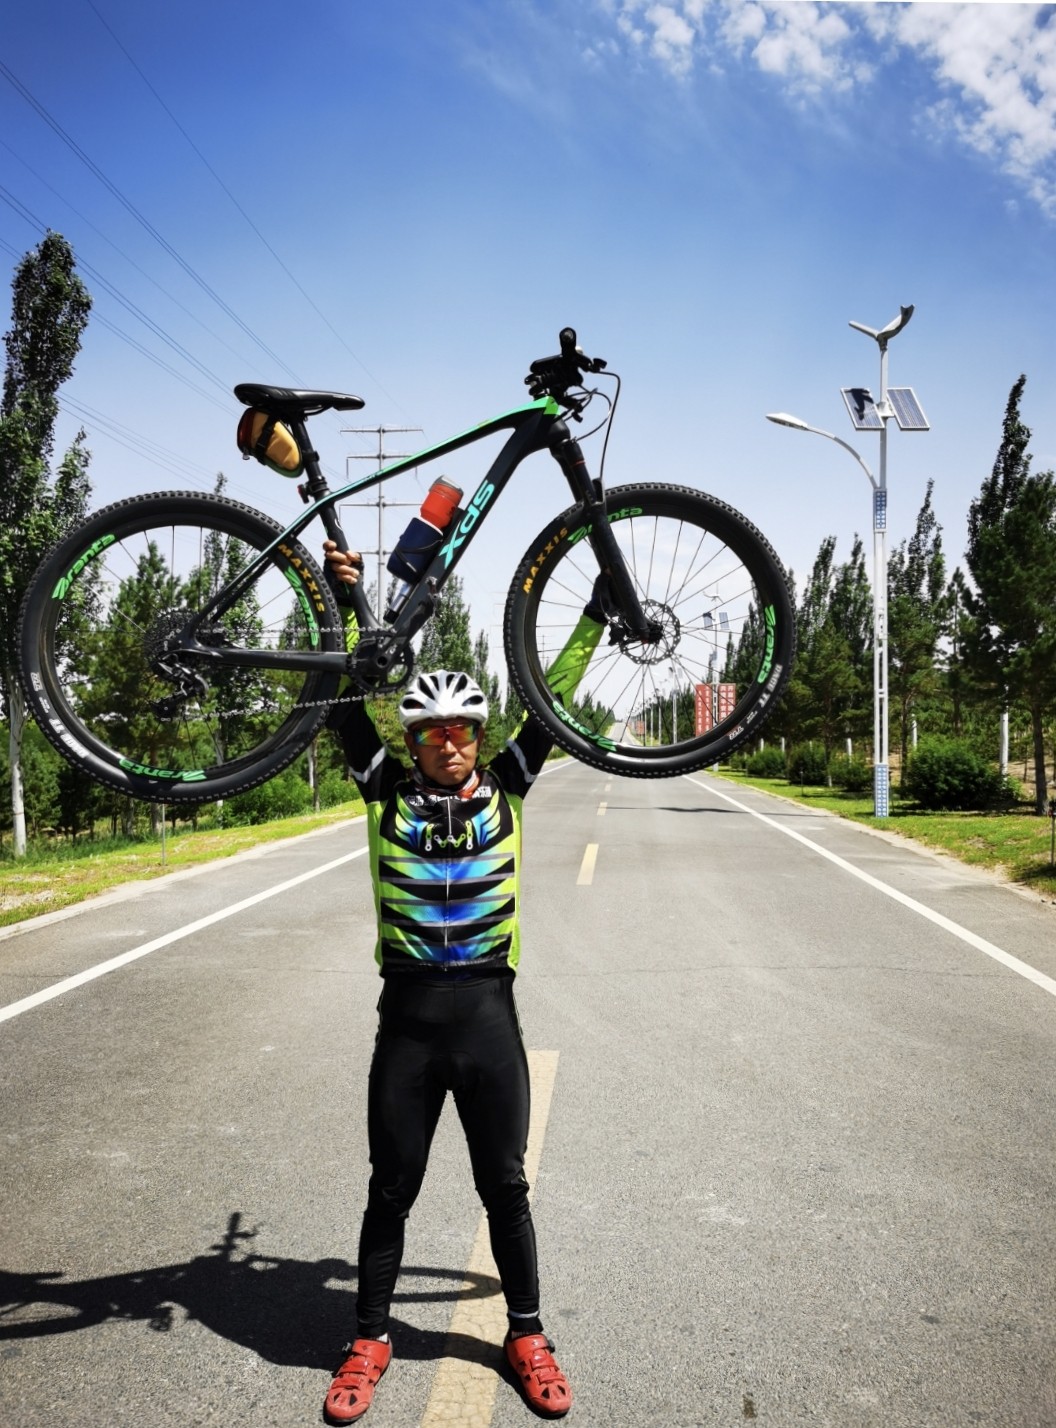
(445, 862)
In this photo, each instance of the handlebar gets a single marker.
(552, 376)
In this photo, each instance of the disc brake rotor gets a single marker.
(663, 645)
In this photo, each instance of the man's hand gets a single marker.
(343, 567)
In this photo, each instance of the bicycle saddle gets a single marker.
(285, 401)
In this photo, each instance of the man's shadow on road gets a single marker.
(288, 1311)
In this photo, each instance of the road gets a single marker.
(794, 1100)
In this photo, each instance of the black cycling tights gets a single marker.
(460, 1036)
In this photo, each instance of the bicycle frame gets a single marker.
(535, 427)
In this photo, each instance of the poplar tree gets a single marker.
(824, 695)
(916, 614)
(447, 642)
(49, 313)
(1011, 642)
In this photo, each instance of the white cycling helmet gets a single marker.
(443, 694)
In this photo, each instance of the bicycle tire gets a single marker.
(719, 594)
(91, 630)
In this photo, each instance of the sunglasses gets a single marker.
(436, 736)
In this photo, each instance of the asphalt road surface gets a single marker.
(793, 1128)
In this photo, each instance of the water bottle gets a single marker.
(421, 540)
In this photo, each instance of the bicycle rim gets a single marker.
(725, 633)
(111, 696)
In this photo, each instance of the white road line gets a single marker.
(463, 1390)
(980, 944)
(586, 868)
(89, 975)
(601, 809)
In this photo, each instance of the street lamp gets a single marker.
(881, 777)
(867, 415)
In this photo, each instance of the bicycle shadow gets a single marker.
(288, 1311)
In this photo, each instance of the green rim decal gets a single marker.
(62, 588)
(621, 515)
(566, 718)
(309, 614)
(174, 775)
(770, 617)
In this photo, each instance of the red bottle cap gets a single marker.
(440, 501)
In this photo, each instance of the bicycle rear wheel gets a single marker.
(108, 689)
(725, 633)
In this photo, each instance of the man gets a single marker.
(445, 844)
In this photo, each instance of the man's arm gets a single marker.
(373, 767)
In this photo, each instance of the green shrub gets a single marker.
(852, 774)
(946, 773)
(281, 797)
(334, 789)
(767, 763)
(807, 763)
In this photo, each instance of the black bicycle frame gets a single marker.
(536, 427)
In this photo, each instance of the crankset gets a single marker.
(381, 663)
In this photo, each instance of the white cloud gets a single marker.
(994, 64)
(997, 64)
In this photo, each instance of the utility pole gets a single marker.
(379, 501)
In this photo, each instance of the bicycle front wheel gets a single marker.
(724, 633)
(103, 672)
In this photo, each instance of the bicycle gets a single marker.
(183, 647)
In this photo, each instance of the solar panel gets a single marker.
(862, 409)
(907, 409)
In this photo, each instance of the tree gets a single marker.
(824, 697)
(481, 672)
(957, 622)
(447, 642)
(49, 313)
(1011, 641)
(916, 614)
(851, 614)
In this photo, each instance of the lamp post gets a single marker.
(881, 776)
(867, 415)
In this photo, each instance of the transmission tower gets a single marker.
(379, 502)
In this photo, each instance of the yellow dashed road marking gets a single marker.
(586, 868)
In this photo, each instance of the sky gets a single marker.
(407, 200)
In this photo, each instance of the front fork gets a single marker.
(568, 454)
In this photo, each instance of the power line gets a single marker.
(32, 219)
(160, 362)
(121, 252)
(132, 441)
(308, 299)
(140, 218)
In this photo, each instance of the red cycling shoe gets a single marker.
(352, 1391)
(543, 1384)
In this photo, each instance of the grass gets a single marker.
(56, 875)
(1014, 845)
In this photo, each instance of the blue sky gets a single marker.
(407, 200)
